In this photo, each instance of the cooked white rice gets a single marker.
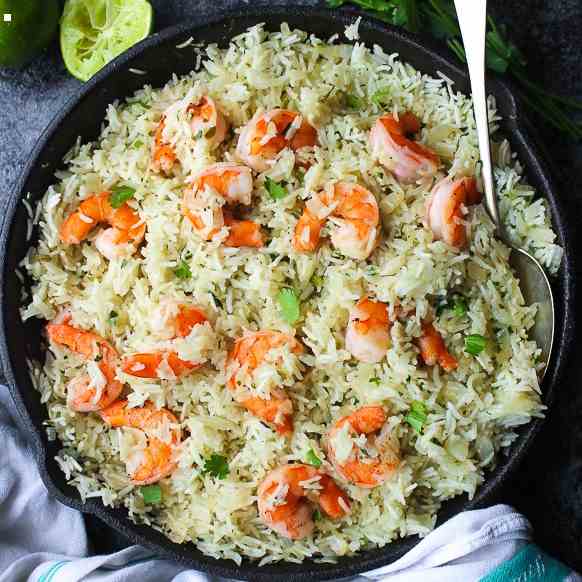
(473, 411)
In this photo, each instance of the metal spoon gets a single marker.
(534, 283)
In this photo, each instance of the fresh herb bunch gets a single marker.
(439, 17)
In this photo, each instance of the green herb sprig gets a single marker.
(440, 19)
(183, 271)
(275, 189)
(216, 466)
(417, 416)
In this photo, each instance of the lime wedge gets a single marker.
(94, 32)
(26, 27)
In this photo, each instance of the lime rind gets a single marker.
(32, 26)
(94, 32)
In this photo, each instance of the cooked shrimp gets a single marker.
(369, 465)
(446, 208)
(173, 319)
(170, 320)
(161, 364)
(433, 349)
(405, 158)
(242, 233)
(207, 121)
(164, 156)
(126, 232)
(157, 460)
(267, 134)
(353, 211)
(85, 394)
(285, 494)
(368, 331)
(249, 353)
(112, 243)
(218, 185)
(307, 232)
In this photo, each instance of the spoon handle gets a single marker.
(472, 15)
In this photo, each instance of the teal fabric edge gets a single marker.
(530, 564)
(50, 573)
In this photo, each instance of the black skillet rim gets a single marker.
(521, 133)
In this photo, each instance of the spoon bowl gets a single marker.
(536, 289)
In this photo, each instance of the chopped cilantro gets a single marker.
(459, 306)
(120, 195)
(289, 305)
(475, 344)
(182, 271)
(417, 416)
(275, 189)
(152, 494)
(313, 459)
(216, 466)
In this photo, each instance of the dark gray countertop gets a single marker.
(548, 485)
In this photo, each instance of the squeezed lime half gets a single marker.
(94, 32)
(26, 27)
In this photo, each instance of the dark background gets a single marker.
(548, 486)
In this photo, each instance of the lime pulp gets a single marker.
(94, 32)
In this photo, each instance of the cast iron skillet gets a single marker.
(83, 116)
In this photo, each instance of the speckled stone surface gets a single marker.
(548, 486)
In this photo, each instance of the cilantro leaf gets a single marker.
(501, 53)
(216, 466)
(313, 459)
(182, 271)
(417, 416)
(120, 195)
(399, 12)
(475, 344)
(275, 189)
(459, 306)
